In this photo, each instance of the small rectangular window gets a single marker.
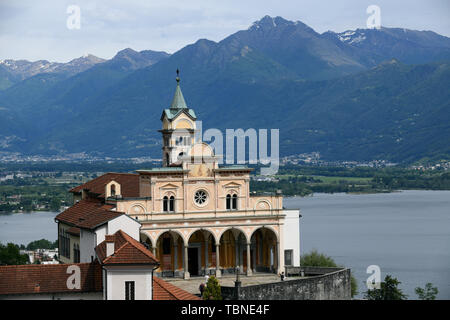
(288, 257)
(129, 290)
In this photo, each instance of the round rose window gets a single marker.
(200, 197)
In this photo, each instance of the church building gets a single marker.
(197, 217)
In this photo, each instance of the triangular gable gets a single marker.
(169, 186)
(232, 185)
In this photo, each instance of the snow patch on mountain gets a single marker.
(25, 69)
(351, 37)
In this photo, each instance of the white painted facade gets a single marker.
(291, 234)
(90, 239)
(124, 223)
(87, 245)
(117, 276)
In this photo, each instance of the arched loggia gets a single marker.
(201, 253)
(265, 246)
(169, 252)
(232, 251)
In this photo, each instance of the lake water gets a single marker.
(22, 228)
(407, 234)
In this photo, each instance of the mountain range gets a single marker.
(357, 95)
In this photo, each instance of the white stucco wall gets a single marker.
(100, 233)
(126, 224)
(117, 276)
(292, 234)
(87, 245)
(90, 239)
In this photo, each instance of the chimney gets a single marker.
(109, 239)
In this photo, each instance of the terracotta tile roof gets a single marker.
(129, 184)
(88, 214)
(126, 251)
(74, 230)
(163, 290)
(48, 278)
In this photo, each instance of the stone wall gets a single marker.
(309, 271)
(334, 285)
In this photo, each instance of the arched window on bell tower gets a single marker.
(167, 160)
(113, 190)
(228, 202)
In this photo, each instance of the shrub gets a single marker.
(316, 259)
(212, 289)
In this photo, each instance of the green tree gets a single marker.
(427, 293)
(10, 255)
(388, 290)
(55, 204)
(316, 259)
(41, 244)
(212, 289)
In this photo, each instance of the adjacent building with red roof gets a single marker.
(84, 225)
(122, 270)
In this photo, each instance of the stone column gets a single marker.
(236, 253)
(241, 257)
(186, 268)
(206, 255)
(218, 260)
(278, 257)
(254, 258)
(175, 256)
(249, 268)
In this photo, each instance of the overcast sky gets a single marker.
(32, 30)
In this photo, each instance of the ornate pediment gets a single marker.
(232, 185)
(169, 186)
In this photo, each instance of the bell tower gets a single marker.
(178, 127)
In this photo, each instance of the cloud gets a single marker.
(34, 30)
